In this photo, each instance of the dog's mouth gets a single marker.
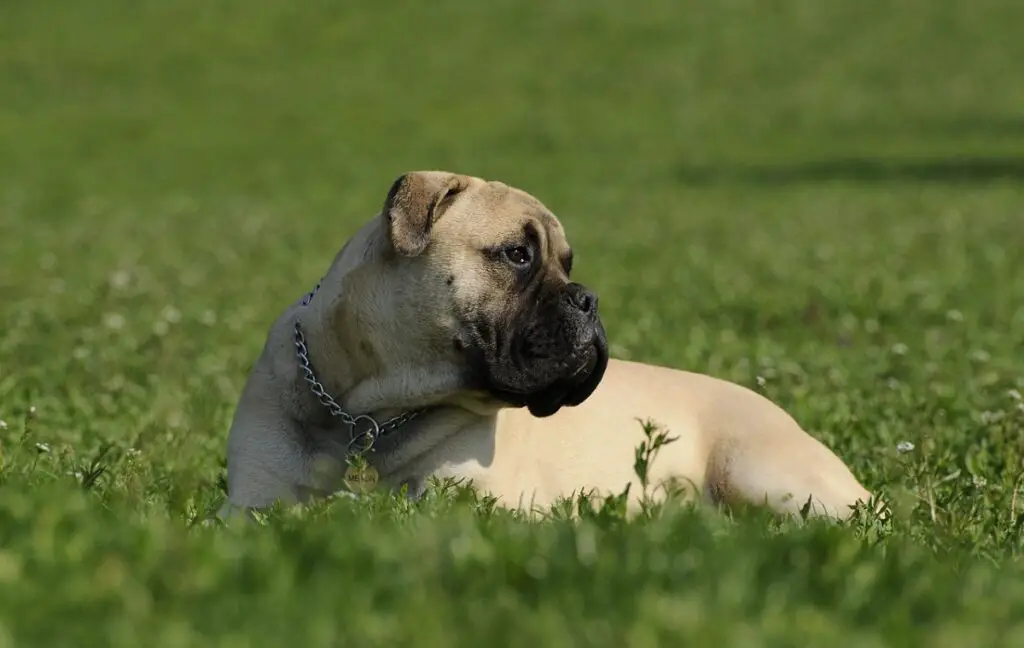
(570, 388)
(573, 389)
(554, 355)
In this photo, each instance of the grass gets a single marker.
(818, 200)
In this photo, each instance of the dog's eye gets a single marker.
(518, 255)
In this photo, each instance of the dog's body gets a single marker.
(731, 445)
(457, 300)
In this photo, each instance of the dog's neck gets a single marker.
(355, 384)
(420, 393)
(350, 375)
(345, 365)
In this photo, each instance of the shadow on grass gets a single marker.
(965, 169)
(973, 126)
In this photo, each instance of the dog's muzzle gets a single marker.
(555, 356)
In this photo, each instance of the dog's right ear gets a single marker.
(415, 201)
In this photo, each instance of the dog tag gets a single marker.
(361, 478)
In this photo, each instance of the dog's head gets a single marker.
(479, 276)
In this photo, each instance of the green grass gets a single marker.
(819, 200)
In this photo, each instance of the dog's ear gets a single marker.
(415, 201)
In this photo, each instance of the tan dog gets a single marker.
(448, 335)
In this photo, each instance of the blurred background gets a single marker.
(778, 190)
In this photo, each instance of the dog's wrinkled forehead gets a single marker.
(455, 210)
(491, 213)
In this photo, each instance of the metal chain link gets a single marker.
(374, 429)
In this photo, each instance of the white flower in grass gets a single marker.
(980, 355)
(119, 279)
(171, 315)
(113, 321)
(903, 447)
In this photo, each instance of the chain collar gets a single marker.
(365, 429)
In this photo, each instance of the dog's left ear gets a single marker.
(415, 201)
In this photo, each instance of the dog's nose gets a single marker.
(582, 299)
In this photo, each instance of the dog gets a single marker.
(447, 340)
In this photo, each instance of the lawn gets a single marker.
(821, 201)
